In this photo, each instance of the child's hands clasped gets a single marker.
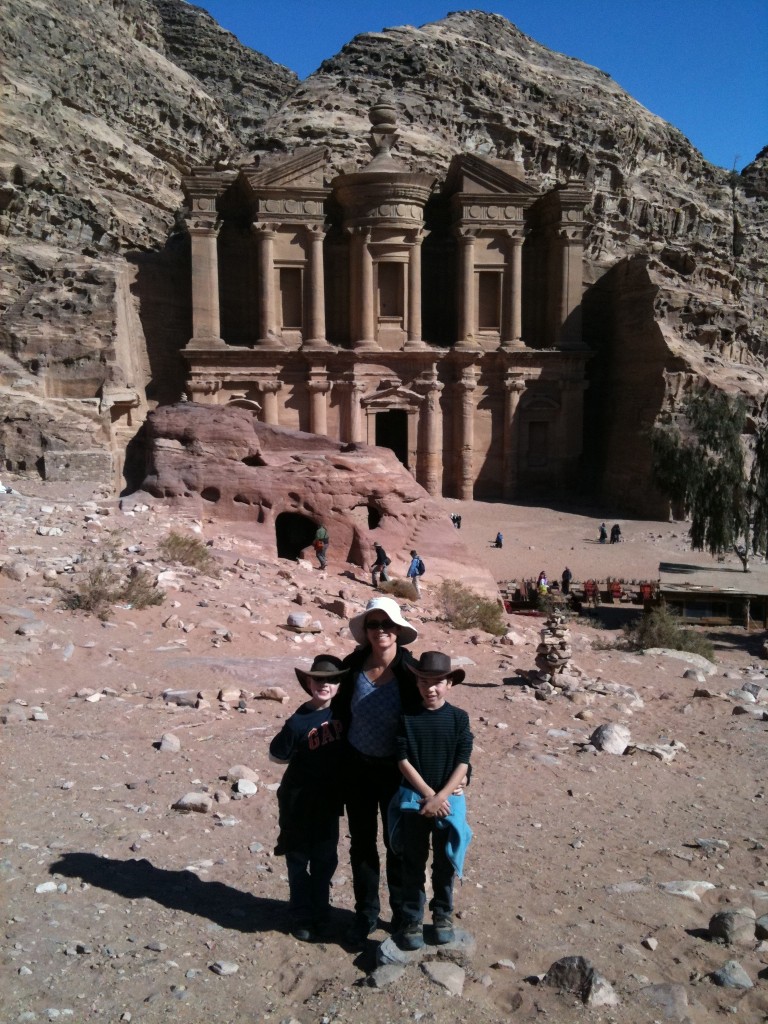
(435, 806)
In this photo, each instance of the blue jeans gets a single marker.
(311, 866)
(416, 832)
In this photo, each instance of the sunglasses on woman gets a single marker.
(383, 624)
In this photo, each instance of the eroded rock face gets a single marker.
(108, 105)
(223, 464)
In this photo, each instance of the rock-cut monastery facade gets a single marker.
(441, 319)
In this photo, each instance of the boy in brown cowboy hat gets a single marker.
(434, 745)
(308, 798)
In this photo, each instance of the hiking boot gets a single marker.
(302, 932)
(397, 923)
(358, 932)
(442, 927)
(412, 936)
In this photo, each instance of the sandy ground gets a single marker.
(571, 848)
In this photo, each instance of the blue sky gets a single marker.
(700, 64)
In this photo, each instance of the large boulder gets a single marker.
(222, 464)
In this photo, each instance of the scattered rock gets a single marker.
(690, 890)
(612, 738)
(199, 802)
(169, 743)
(670, 999)
(386, 974)
(732, 975)
(273, 693)
(575, 974)
(448, 976)
(240, 772)
(736, 927)
(224, 967)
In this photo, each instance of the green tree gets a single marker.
(707, 464)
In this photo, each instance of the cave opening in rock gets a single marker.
(293, 533)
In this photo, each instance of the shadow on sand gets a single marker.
(176, 890)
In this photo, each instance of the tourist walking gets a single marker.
(321, 546)
(379, 567)
(370, 701)
(415, 570)
(602, 534)
(615, 533)
(565, 579)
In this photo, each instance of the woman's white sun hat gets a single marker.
(406, 634)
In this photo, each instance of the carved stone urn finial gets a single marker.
(383, 118)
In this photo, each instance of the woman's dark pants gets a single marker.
(370, 784)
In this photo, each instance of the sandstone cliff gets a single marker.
(107, 104)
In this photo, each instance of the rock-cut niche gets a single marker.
(293, 533)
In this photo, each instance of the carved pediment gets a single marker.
(302, 170)
(393, 397)
(475, 175)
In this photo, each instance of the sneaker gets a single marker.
(412, 936)
(359, 931)
(442, 927)
(302, 932)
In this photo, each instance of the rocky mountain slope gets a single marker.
(108, 104)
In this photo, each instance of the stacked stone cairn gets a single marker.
(553, 655)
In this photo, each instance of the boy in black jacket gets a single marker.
(308, 797)
(434, 745)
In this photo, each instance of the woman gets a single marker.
(380, 685)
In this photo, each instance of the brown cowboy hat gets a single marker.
(435, 665)
(325, 667)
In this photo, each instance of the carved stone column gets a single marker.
(355, 418)
(467, 304)
(269, 390)
(206, 321)
(350, 426)
(203, 390)
(414, 340)
(366, 334)
(571, 273)
(315, 337)
(318, 406)
(431, 457)
(513, 319)
(268, 334)
(514, 387)
(466, 439)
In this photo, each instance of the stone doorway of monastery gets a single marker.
(392, 433)
(293, 533)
